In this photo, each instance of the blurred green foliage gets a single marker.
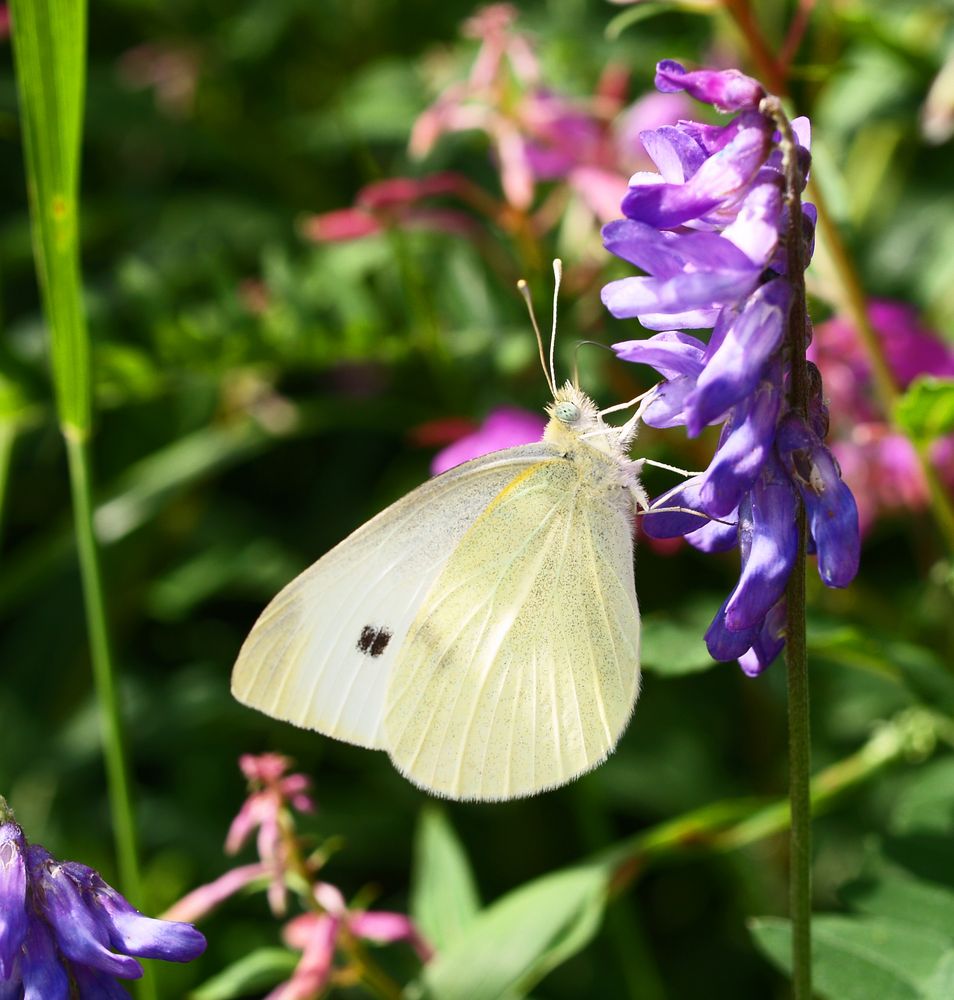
(257, 397)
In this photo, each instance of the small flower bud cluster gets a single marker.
(709, 232)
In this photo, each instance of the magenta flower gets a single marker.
(879, 464)
(503, 427)
(60, 922)
(709, 232)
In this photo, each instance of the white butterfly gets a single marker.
(484, 629)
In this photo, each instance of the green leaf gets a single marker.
(49, 44)
(926, 804)
(444, 898)
(858, 958)
(926, 410)
(941, 984)
(512, 944)
(633, 15)
(892, 892)
(672, 643)
(254, 972)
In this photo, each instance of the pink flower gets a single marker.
(504, 427)
(536, 133)
(879, 464)
(400, 201)
(317, 934)
(272, 792)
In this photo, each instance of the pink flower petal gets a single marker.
(504, 427)
(316, 934)
(386, 928)
(200, 902)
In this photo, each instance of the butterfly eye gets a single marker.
(567, 413)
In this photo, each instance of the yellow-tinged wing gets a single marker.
(322, 652)
(521, 667)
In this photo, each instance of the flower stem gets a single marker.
(796, 647)
(104, 677)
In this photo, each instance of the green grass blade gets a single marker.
(49, 45)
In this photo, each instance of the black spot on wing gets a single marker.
(373, 641)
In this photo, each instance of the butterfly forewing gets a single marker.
(322, 652)
(521, 667)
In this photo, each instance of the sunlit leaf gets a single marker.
(444, 899)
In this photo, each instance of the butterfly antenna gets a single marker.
(524, 291)
(557, 277)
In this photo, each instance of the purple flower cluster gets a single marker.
(709, 232)
(61, 927)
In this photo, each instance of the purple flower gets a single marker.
(725, 90)
(59, 921)
(710, 234)
(13, 920)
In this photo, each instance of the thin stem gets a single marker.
(799, 769)
(796, 647)
(8, 436)
(731, 825)
(762, 52)
(104, 678)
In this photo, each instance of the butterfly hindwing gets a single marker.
(521, 667)
(321, 653)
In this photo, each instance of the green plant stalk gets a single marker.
(799, 771)
(796, 643)
(730, 825)
(104, 677)
(49, 43)
(8, 436)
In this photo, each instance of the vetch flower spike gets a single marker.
(712, 234)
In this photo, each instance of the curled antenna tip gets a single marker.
(557, 267)
(521, 285)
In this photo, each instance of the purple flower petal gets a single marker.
(725, 90)
(630, 298)
(746, 445)
(768, 643)
(768, 538)
(755, 228)
(829, 503)
(690, 319)
(664, 254)
(13, 916)
(673, 523)
(44, 977)
(719, 182)
(146, 937)
(736, 366)
(96, 985)
(667, 408)
(81, 933)
(677, 155)
(725, 644)
(670, 353)
(716, 535)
